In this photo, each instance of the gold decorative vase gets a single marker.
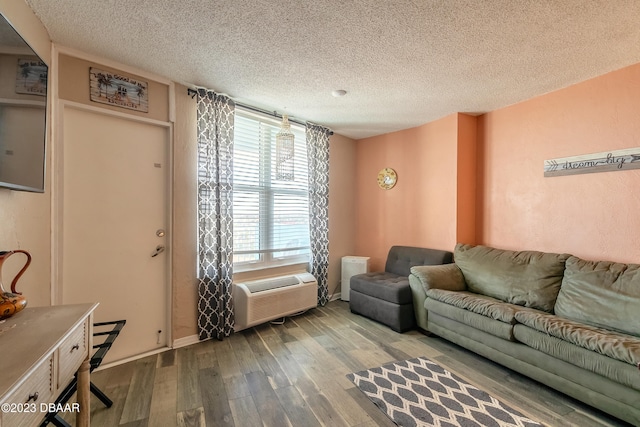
(12, 302)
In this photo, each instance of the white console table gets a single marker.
(41, 349)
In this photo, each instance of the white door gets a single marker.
(114, 216)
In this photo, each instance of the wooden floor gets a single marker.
(294, 375)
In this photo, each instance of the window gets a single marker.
(270, 215)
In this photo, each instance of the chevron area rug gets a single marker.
(419, 392)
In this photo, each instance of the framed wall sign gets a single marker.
(31, 77)
(118, 90)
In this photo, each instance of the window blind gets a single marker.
(270, 215)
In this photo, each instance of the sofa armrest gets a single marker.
(425, 277)
(448, 277)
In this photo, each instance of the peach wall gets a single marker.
(421, 210)
(466, 179)
(594, 216)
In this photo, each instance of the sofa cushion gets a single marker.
(478, 321)
(526, 278)
(624, 348)
(480, 304)
(385, 286)
(612, 369)
(601, 293)
(401, 258)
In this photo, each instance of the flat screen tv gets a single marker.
(23, 101)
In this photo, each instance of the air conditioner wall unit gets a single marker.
(260, 301)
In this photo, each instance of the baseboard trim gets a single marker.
(185, 341)
(132, 358)
(180, 342)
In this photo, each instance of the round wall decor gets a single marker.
(387, 178)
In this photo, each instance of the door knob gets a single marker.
(158, 251)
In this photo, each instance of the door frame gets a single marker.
(57, 208)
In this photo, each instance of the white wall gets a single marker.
(25, 218)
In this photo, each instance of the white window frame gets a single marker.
(266, 259)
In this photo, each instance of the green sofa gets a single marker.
(571, 324)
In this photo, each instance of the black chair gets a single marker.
(95, 361)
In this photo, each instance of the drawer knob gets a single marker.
(75, 347)
(33, 397)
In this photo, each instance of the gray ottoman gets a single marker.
(386, 296)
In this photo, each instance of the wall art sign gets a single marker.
(597, 162)
(31, 77)
(118, 90)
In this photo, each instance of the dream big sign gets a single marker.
(596, 162)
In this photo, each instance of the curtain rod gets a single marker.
(193, 93)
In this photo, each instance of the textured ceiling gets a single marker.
(402, 62)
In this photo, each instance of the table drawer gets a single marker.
(24, 403)
(71, 353)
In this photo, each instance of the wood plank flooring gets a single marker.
(294, 375)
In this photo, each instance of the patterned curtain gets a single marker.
(215, 215)
(318, 154)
